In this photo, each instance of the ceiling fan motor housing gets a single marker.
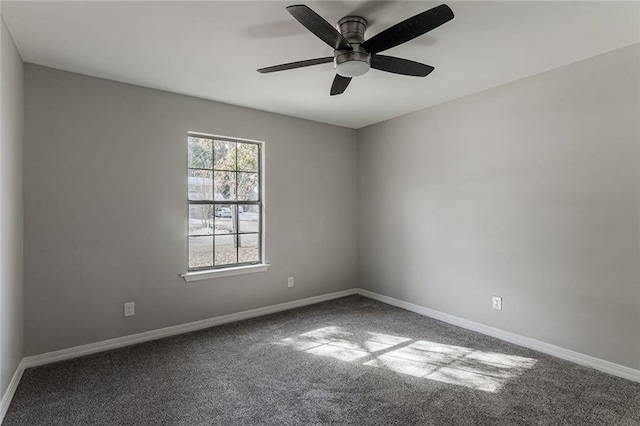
(356, 62)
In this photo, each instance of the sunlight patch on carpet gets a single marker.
(457, 365)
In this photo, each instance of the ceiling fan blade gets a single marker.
(321, 28)
(400, 66)
(409, 29)
(297, 64)
(339, 85)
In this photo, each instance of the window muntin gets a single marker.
(225, 202)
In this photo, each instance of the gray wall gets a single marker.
(105, 209)
(529, 191)
(11, 208)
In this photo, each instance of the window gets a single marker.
(225, 202)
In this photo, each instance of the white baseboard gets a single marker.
(11, 390)
(119, 342)
(557, 351)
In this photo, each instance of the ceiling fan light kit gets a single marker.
(357, 61)
(353, 56)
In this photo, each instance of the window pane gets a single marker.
(248, 186)
(200, 184)
(224, 155)
(200, 153)
(249, 218)
(225, 185)
(226, 252)
(200, 219)
(200, 252)
(225, 219)
(248, 251)
(248, 157)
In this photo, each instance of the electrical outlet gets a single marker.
(290, 282)
(129, 309)
(497, 303)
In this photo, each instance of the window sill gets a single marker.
(227, 272)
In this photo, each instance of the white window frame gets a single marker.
(233, 269)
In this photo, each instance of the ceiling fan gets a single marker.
(353, 56)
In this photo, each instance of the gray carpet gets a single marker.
(347, 361)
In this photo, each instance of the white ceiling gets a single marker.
(212, 49)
